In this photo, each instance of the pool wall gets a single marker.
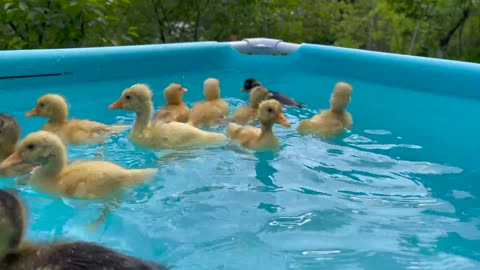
(27, 68)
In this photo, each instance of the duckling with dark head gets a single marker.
(16, 254)
(285, 100)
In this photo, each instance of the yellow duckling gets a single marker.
(212, 110)
(159, 135)
(249, 114)
(82, 179)
(331, 122)
(71, 131)
(175, 109)
(9, 136)
(270, 112)
(18, 254)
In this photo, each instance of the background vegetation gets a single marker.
(435, 28)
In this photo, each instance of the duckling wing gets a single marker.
(84, 255)
(244, 115)
(166, 115)
(243, 134)
(205, 113)
(92, 179)
(171, 113)
(321, 125)
(286, 100)
(176, 134)
(79, 131)
(222, 105)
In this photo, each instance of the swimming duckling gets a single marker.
(212, 110)
(71, 131)
(175, 109)
(81, 179)
(331, 122)
(159, 135)
(270, 112)
(249, 114)
(9, 136)
(18, 254)
(286, 101)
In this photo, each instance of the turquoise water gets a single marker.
(398, 190)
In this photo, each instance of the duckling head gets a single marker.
(249, 84)
(211, 89)
(51, 106)
(136, 98)
(270, 111)
(9, 130)
(340, 97)
(12, 222)
(37, 148)
(174, 93)
(257, 95)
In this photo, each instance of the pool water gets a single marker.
(398, 190)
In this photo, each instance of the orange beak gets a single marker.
(283, 121)
(12, 160)
(116, 105)
(32, 112)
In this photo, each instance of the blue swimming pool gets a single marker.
(398, 190)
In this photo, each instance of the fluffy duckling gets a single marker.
(331, 122)
(71, 131)
(249, 114)
(212, 110)
(18, 254)
(9, 136)
(261, 139)
(175, 109)
(81, 179)
(159, 135)
(286, 101)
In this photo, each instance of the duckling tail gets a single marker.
(116, 128)
(215, 137)
(138, 176)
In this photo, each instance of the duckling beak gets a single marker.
(283, 121)
(12, 160)
(116, 105)
(32, 112)
(269, 95)
(185, 90)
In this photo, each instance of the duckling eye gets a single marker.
(128, 97)
(270, 110)
(42, 104)
(31, 146)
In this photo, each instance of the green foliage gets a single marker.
(435, 28)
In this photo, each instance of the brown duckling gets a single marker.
(261, 139)
(18, 254)
(331, 122)
(249, 114)
(9, 136)
(212, 110)
(81, 179)
(71, 131)
(285, 100)
(159, 135)
(175, 109)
